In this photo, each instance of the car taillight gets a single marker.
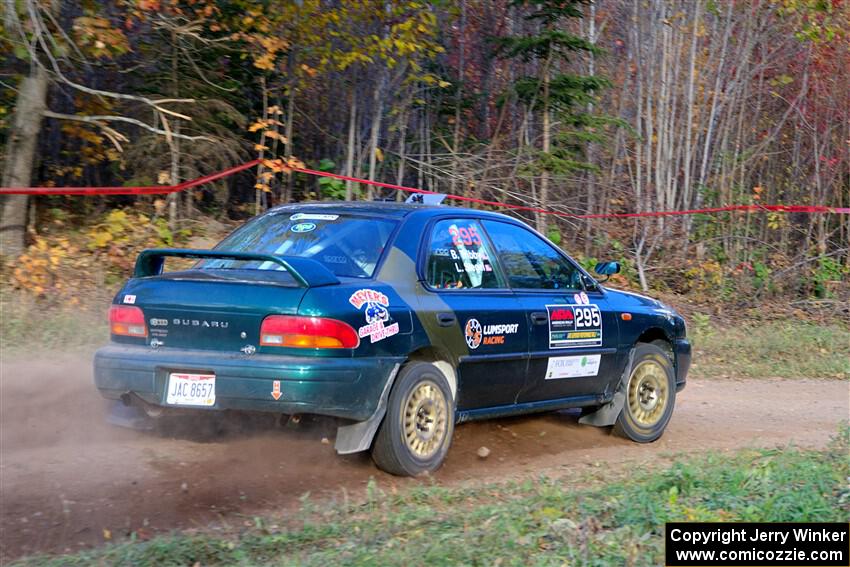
(307, 332)
(127, 321)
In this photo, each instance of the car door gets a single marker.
(467, 293)
(573, 333)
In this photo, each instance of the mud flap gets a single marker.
(130, 417)
(358, 436)
(608, 413)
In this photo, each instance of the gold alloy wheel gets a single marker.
(648, 393)
(425, 420)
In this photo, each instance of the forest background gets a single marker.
(581, 107)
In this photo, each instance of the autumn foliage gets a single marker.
(578, 106)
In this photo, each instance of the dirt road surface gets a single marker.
(66, 475)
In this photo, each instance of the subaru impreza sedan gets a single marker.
(400, 320)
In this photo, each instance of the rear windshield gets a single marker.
(349, 246)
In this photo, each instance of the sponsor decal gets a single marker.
(473, 333)
(362, 296)
(572, 326)
(330, 259)
(581, 299)
(131, 299)
(312, 216)
(572, 366)
(303, 227)
(477, 334)
(377, 331)
(376, 313)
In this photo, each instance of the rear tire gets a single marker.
(650, 395)
(417, 429)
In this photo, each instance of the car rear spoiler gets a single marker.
(307, 272)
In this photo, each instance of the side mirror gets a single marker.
(607, 268)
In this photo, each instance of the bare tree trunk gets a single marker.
(712, 119)
(686, 184)
(174, 142)
(20, 156)
(174, 146)
(378, 110)
(349, 155)
(547, 146)
(259, 194)
(290, 116)
(402, 143)
(591, 147)
(638, 176)
(458, 97)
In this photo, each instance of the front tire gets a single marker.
(650, 396)
(417, 430)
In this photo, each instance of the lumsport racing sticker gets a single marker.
(573, 326)
(477, 334)
(375, 308)
(572, 366)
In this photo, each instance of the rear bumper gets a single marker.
(348, 388)
(682, 352)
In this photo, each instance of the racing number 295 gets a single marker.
(464, 235)
(587, 317)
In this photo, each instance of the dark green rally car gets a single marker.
(403, 320)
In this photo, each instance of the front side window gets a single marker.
(348, 246)
(459, 257)
(529, 261)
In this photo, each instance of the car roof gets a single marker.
(382, 208)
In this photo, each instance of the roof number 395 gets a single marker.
(587, 317)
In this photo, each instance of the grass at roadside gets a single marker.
(26, 326)
(537, 522)
(793, 349)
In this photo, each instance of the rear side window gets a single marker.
(348, 246)
(459, 257)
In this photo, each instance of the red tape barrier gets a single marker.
(165, 189)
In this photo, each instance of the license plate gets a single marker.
(191, 389)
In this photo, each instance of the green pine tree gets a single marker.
(554, 93)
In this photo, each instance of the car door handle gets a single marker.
(539, 318)
(446, 319)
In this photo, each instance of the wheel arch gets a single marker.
(658, 337)
(440, 359)
(653, 334)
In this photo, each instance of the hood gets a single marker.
(629, 298)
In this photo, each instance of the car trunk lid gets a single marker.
(201, 309)
(208, 307)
